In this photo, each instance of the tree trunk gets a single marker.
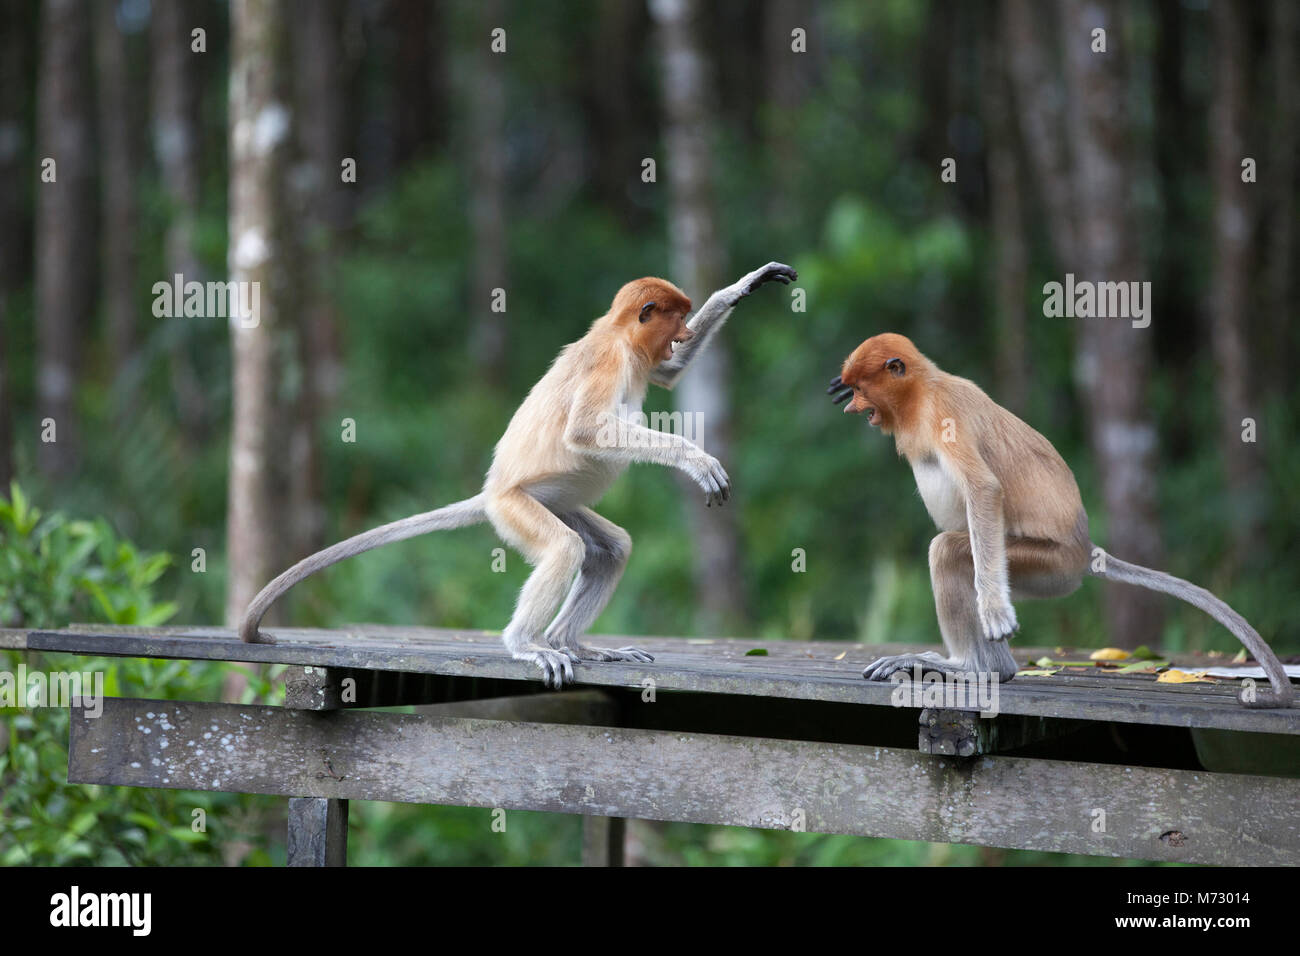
(321, 203)
(175, 135)
(1040, 102)
(486, 99)
(616, 135)
(1113, 358)
(786, 73)
(117, 187)
(420, 122)
(697, 266)
(16, 38)
(65, 234)
(260, 130)
(1279, 183)
(1230, 282)
(1006, 216)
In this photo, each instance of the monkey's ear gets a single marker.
(645, 312)
(896, 366)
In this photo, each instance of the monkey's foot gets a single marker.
(581, 652)
(260, 637)
(885, 667)
(557, 667)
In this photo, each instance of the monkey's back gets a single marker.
(533, 454)
(1040, 494)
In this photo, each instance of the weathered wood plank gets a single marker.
(715, 666)
(660, 775)
(318, 832)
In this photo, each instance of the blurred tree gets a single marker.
(1006, 215)
(612, 90)
(786, 84)
(1113, 360)
(321, 205)
(1280, 185)
(485, 101)
(1040, 103)
(1233, 231)
(65, 225)
(419, 93)
(175, 138)
(117, 185)
(260, 128)
(17, 29)
(697, 265)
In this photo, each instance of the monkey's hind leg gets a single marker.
(952, 578)
(556, 552)
(607, 550)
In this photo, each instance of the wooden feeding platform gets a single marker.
(794, 738)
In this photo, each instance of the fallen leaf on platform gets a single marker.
(1143, 667)
(1175, 676)
(1109, 654)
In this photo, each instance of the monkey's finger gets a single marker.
(837, 383)
(842, 397)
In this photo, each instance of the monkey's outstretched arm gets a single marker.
(711, 317)
(604, 435)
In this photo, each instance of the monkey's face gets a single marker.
(664, 329)
(656, 313)
(881, 373)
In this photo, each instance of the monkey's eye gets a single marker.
(896, 366)
(645, 312)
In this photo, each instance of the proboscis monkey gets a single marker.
(1011, 521)
(574, 434)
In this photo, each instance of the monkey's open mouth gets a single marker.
(872, 417)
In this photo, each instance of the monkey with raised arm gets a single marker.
(1011, 521)
(574, 434)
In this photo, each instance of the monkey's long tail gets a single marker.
(1116, 570)
(458, 515)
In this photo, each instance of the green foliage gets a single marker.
(54, 570)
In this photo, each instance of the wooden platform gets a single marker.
(792, 739)
(814, 671)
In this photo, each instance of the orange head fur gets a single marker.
(887, 375)
(652, 313)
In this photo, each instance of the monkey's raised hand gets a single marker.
(838, 391)
(711, 317)
(712, 477)
(772, 272)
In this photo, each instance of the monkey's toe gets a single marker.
(606, 654)
(886, 667)
(557, 666)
